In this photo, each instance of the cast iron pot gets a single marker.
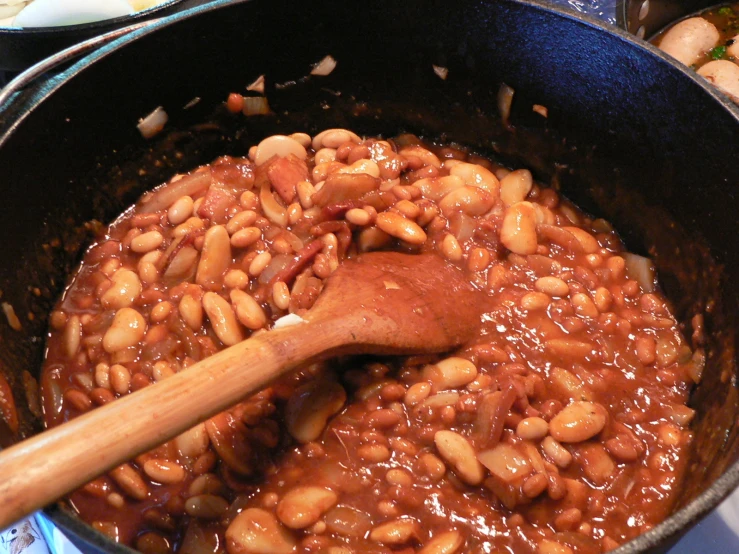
(21, 48)
(630, 136)
(645, 18)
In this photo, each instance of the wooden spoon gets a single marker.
(381, 303)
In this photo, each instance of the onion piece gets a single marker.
(324, 67)
(257, 85)
(255, 105)
(153, 123)
(641, 270)
(462, 226)
(276, 265)
(164, 196)
(505, 99)
(272, 209)
(441, 72)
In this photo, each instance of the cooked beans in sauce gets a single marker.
(562, 427)
(709, 43)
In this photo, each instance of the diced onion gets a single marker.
(324, 67)
(640, 269)
(257, 85)
(153, 123)
(255, 105)
(272, 209)
(441, 72)
(505, 99)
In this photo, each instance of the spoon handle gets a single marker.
(47, 466)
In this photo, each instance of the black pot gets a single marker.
(630, 136)
(646, 18)
(21, 48)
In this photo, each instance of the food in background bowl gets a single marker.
(709, 43)
(52, 13)
(561, 428)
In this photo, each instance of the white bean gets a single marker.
(689, 40)
(724, 75)
(256, 531)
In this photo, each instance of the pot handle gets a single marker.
(29, 77)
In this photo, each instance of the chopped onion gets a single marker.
(324, 67)
(441, 72)
(13, 320)
(505, 99)
(541, 110)
(192, 103)
(277, 264)
(255, 105)
(288, 321)
(462, 226)
(163, 197)
(153, 123)
(257, 85)
(641, 269)
(272, 209)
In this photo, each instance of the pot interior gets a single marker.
(619, 140)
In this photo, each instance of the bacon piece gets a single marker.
(217, 203)
(285, 173)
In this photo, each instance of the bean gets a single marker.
(102, 375)
(458, 452)
(374, 453)
(534, 301)
(246, 237)
(444, 543)
(303, 506)
(515, 186)
(161, 311)
(451, 249)
(556, 452)
(358, 217)
(547, 546)
(450, 373)
(586, 241)
(215, 256)
(223, 319)
(125, 288)
(130, 481)
(553, 286)
(399, 477)
(241, 220)
(72, 335)
(256, 531)
(532, 428)
(578, 422)
(78, 399)
(120, 379)
(347, 521)
(278, 145)
(368, 167)
(259, 263)
(535, 485)
(584, 306)
(333, 138)
(470, 200)
(417, 393)
(518, 231)
(425, 156)
(569, 348)
(479, 259)
(597, 464)
(475, 175)
(248, 311)
(207, 483)
(116, 500)
(193, 442)
(398, 226)
(180, 210)
(206, 506)
(164, 471)
(310, 406)
(152, 543)
(191, 311)
(407, 209)
(689, 40)
(147, 242)
(395, 532)
(127, 329)
(432, 466)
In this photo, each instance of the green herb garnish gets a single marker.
(718, 52)
(726, 10)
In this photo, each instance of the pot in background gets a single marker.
(70, 153)
(644, 18)
(21, 48)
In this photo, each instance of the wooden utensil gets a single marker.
(381, 303)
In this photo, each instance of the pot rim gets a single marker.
(100, 25)
(670, 528)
